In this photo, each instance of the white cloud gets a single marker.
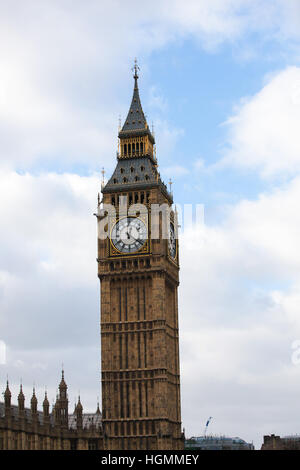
(239, 315)
(264, 130)
(61, 66)
(174, 171)
(199, 164)
(166, 137)
(48, 254)
(42, 368)
(156, 100)
(49, 291)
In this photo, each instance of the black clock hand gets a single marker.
(136, 239)
(130, 230)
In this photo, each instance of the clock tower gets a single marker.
(138, 270)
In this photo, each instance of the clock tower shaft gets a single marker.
(139, 304)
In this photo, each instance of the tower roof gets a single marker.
(63, 385)
(135, 123)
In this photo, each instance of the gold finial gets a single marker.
(170, 184)
(135, 69)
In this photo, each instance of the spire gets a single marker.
(7, 401)
(78, 411)
(62, 403)
(46, 401)
(21, 399)
(79, 407)
(136, 119)
(46, 405)
(62, 386)
(7, 395)
(33, 402)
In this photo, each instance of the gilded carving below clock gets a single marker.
(129, 235)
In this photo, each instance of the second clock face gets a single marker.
(172, 242)
(129, 235)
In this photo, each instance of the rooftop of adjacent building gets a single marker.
(291, 437)
(89, 420)
(221, 441)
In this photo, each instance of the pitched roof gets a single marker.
(135, 118)
(134, 173)
(135, 123)
(88, 420)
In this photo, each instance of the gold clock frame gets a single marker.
(113, 252)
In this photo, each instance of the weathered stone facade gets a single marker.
(139, 307)
(273, 442)
(29, 429)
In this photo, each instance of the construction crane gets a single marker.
(206, 426)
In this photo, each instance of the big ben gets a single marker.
(138, 268)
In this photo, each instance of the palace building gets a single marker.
(139, 277)
(24, 428)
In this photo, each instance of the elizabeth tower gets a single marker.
(138, 272)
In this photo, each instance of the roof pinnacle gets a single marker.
(7, 393)
(33, 399)
(21, 394)
(79, 407)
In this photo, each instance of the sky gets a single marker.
(220, 81)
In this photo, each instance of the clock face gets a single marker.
(129, 235)
(172, 242)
